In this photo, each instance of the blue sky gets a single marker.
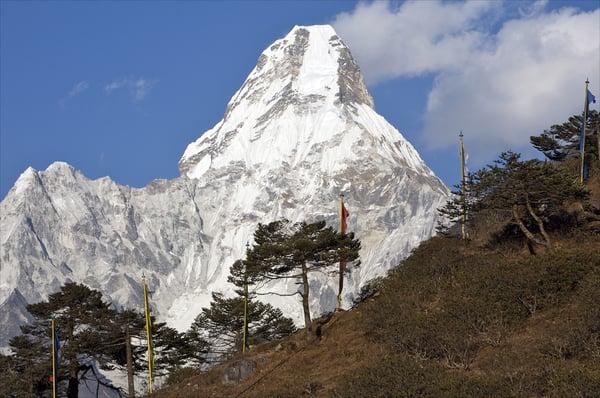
(121, 88)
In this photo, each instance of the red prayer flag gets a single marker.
(344, 219)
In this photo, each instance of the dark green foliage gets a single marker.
(88, 329)
(561, 141)
(285, 250)
(222, 325)
(282, 247)
(114, 332)
(26, 373)
(511, 181)
(526, 194)
(78, 312)
(461, 204)
(243, 273)
(171, 350)
(218, 330)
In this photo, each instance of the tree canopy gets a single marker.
(561, 141)
(217, 330)
(285, 250)
(90, 331)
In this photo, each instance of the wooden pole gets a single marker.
(463, 221)
(584, 121)
(342, 262)
(128, 353)
(54, 349)
(245, 332)
(149, 337)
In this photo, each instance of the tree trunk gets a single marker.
(598, 147)
(539, 222)
(341, 284)
(73, 388)
(130, 384)
(524, 229)
(530, 247)
(305, 307)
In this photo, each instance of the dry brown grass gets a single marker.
(298, 367)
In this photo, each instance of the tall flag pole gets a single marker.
(149, 336)
(245, 332)
(582, 139)
(589, 97)
(55, 348)
(343, 228)
(463, 220)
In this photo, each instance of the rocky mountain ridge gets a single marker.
(300, 131)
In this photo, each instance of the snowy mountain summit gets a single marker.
(300, 131)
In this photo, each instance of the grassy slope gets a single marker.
(452, 321)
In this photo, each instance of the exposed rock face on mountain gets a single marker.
(300, 131)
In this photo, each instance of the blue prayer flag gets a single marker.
(590, 98)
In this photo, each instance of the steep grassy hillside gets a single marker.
(453, 320)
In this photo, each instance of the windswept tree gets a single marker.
(529, 191)
(285, 250)
(561, 141)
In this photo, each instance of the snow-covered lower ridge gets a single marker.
(301, 130)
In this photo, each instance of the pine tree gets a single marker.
(26, 373)
(124, 337)
(222, 325)
(561, 141)
(458, 206)
(285, 250)
(530, 192)
(79, 312)
(89, 330)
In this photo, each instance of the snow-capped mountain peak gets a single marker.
(305, 90)
(300, 130)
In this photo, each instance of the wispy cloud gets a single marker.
(498, 85)
(114, 85)
(77, 89)
(138, 87)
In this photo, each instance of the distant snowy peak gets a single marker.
(311, 61)
(308, 72)
(305, 96)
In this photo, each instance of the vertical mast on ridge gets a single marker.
(463, 220)
(148, 336)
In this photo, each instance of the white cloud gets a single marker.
(500, 86)
(415, 38)
(141, 88)
(138, 88)
(114, 85)
(77, 89)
